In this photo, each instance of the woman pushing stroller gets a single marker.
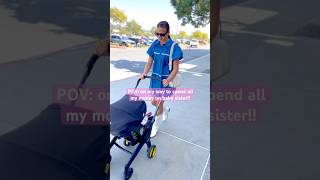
(159, 53)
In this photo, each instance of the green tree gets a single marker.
(133, 28)
(173, 36)
(199, 35)
(182, 34)
(152, 30)
(204, 36)
(147, 33)
(117, 17)
(195, 12)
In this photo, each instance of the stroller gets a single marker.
(126, 117)
(44, 148)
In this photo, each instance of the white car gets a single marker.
(194, 43)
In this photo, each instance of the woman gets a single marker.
(159, 52)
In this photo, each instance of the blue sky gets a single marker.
(149, 12)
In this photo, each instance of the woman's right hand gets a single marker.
(142, 76)
(102, 48)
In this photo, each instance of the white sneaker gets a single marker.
(156, 125)
(144, 121)
(165, 113)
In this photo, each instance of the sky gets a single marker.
(149, 12)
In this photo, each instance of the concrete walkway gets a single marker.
(33, 28)
(183, 141)
(266, 49)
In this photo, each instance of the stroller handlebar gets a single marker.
(150, 77)
(153, 77)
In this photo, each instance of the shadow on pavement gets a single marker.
(266, 52)
(134, 66)
(190, 54)
(79, 17)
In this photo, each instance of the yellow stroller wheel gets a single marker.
(152, 150)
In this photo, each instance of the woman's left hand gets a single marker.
(165, 82)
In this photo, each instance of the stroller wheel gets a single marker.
(126, 142)
(128, 173)
(152, 150)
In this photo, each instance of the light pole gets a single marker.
(177, 29)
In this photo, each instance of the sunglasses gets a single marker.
(160, 34)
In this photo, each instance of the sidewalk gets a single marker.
(266, 49)
(183, 141)
(24, 33)
(33, 81)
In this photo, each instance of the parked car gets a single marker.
(194, 43)
(121, 40)
(179, 40)
(149, 42)
(117, 39)
(185, 41)
(128, 41)
(137, 41)
(143, 41)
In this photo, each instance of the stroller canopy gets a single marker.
(124, 113)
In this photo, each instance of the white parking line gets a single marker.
(184, 140)
(193, 72)
(204, 169)
(184, 67)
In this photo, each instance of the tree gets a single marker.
(148, 33)
(173, 36)
(195, 12)
(117, 17)
(133, 28)
(182, 34)
(199, 35)
(153, 29)
(204, 37)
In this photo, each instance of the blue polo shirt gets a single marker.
(160, 55)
